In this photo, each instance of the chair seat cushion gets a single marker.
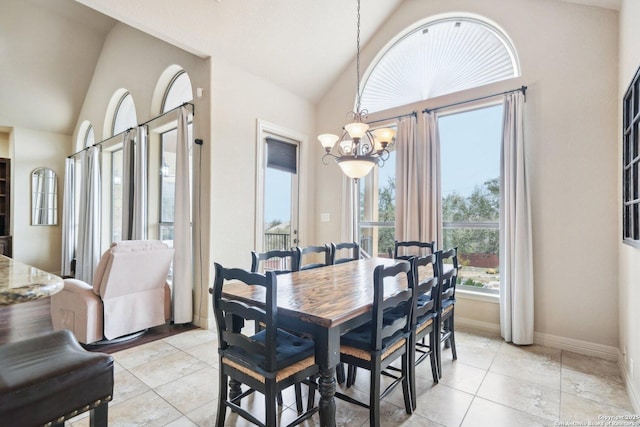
(289, 350)
(51, 376)
(446, 303)
(361, 336)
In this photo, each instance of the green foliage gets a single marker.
(482, 205)
(387, 212)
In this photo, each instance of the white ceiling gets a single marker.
(300, 45)
(49, 49)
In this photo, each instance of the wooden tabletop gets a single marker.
(21, 282)
(326, 296)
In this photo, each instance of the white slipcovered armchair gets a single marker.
(129, 293)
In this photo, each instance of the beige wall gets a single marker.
(226, 117)
(568, 54)
(629, 258)
(38, 246)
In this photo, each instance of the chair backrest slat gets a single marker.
(354, 252)
(449, 279)
(280, 261)
(309, 250)
(230, 315)
(426, 284)
(411, 248)
(403, 300)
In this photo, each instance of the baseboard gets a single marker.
(634, 395)
(476, 324)
(204, 322)
(578, 346)
(553, 341)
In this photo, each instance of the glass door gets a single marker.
(280, 210)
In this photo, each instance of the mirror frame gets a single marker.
(44, 197)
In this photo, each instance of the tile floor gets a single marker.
(173, 382)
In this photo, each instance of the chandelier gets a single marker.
(358, 150)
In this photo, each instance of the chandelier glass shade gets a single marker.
(358, 150)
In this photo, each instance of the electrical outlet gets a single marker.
(325, 217)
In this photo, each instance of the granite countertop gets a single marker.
(21, 282)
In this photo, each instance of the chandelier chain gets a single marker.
(358, 62)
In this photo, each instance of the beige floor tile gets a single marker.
(443, 404)
(609, 390)
(478, 357)
(191, 391)
(521, 395)
(183, 421)
(485, 413)
(127, 386)
(147, 409)
(534, 363)
(462, 377)
(168, 368)
(192, 338)
(143, 354)
(207, 352)
(578, 409)
(590, 364)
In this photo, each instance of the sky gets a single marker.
(470, 155)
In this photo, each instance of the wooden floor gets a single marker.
(26, 320)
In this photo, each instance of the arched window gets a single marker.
(177, 93)
(124, 118)
(438, 57)
(89, 137)
(125, 115)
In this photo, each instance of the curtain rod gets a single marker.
(97, 144)
(523, 89)
(413, 113)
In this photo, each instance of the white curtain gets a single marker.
(430, 158)
(411, 202)
(128, 190)
(182, 264)
(139, 208)
(516, 265)
(68, 217)
(88, 252)
(349, 232)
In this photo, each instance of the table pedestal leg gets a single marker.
(327, 405)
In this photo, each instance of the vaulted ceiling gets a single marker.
(49, 49)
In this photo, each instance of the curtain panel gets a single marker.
(88, 251)
(68, 218)
(516, 263)
(128, 190)
(139, 222)
(183, 261)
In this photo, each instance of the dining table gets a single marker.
(324, 303)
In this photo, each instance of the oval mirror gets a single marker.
(44, 197)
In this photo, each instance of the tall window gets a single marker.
(124, 118)
(470, 163)
(631, 164)
(178, 92)
(377, 194)
(89, 137)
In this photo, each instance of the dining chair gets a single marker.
(352, 247)
(383, 340)
(408, 249)
(323, 251)
(279, 261)
(446, 308)
(424, 319)
(268, 361)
